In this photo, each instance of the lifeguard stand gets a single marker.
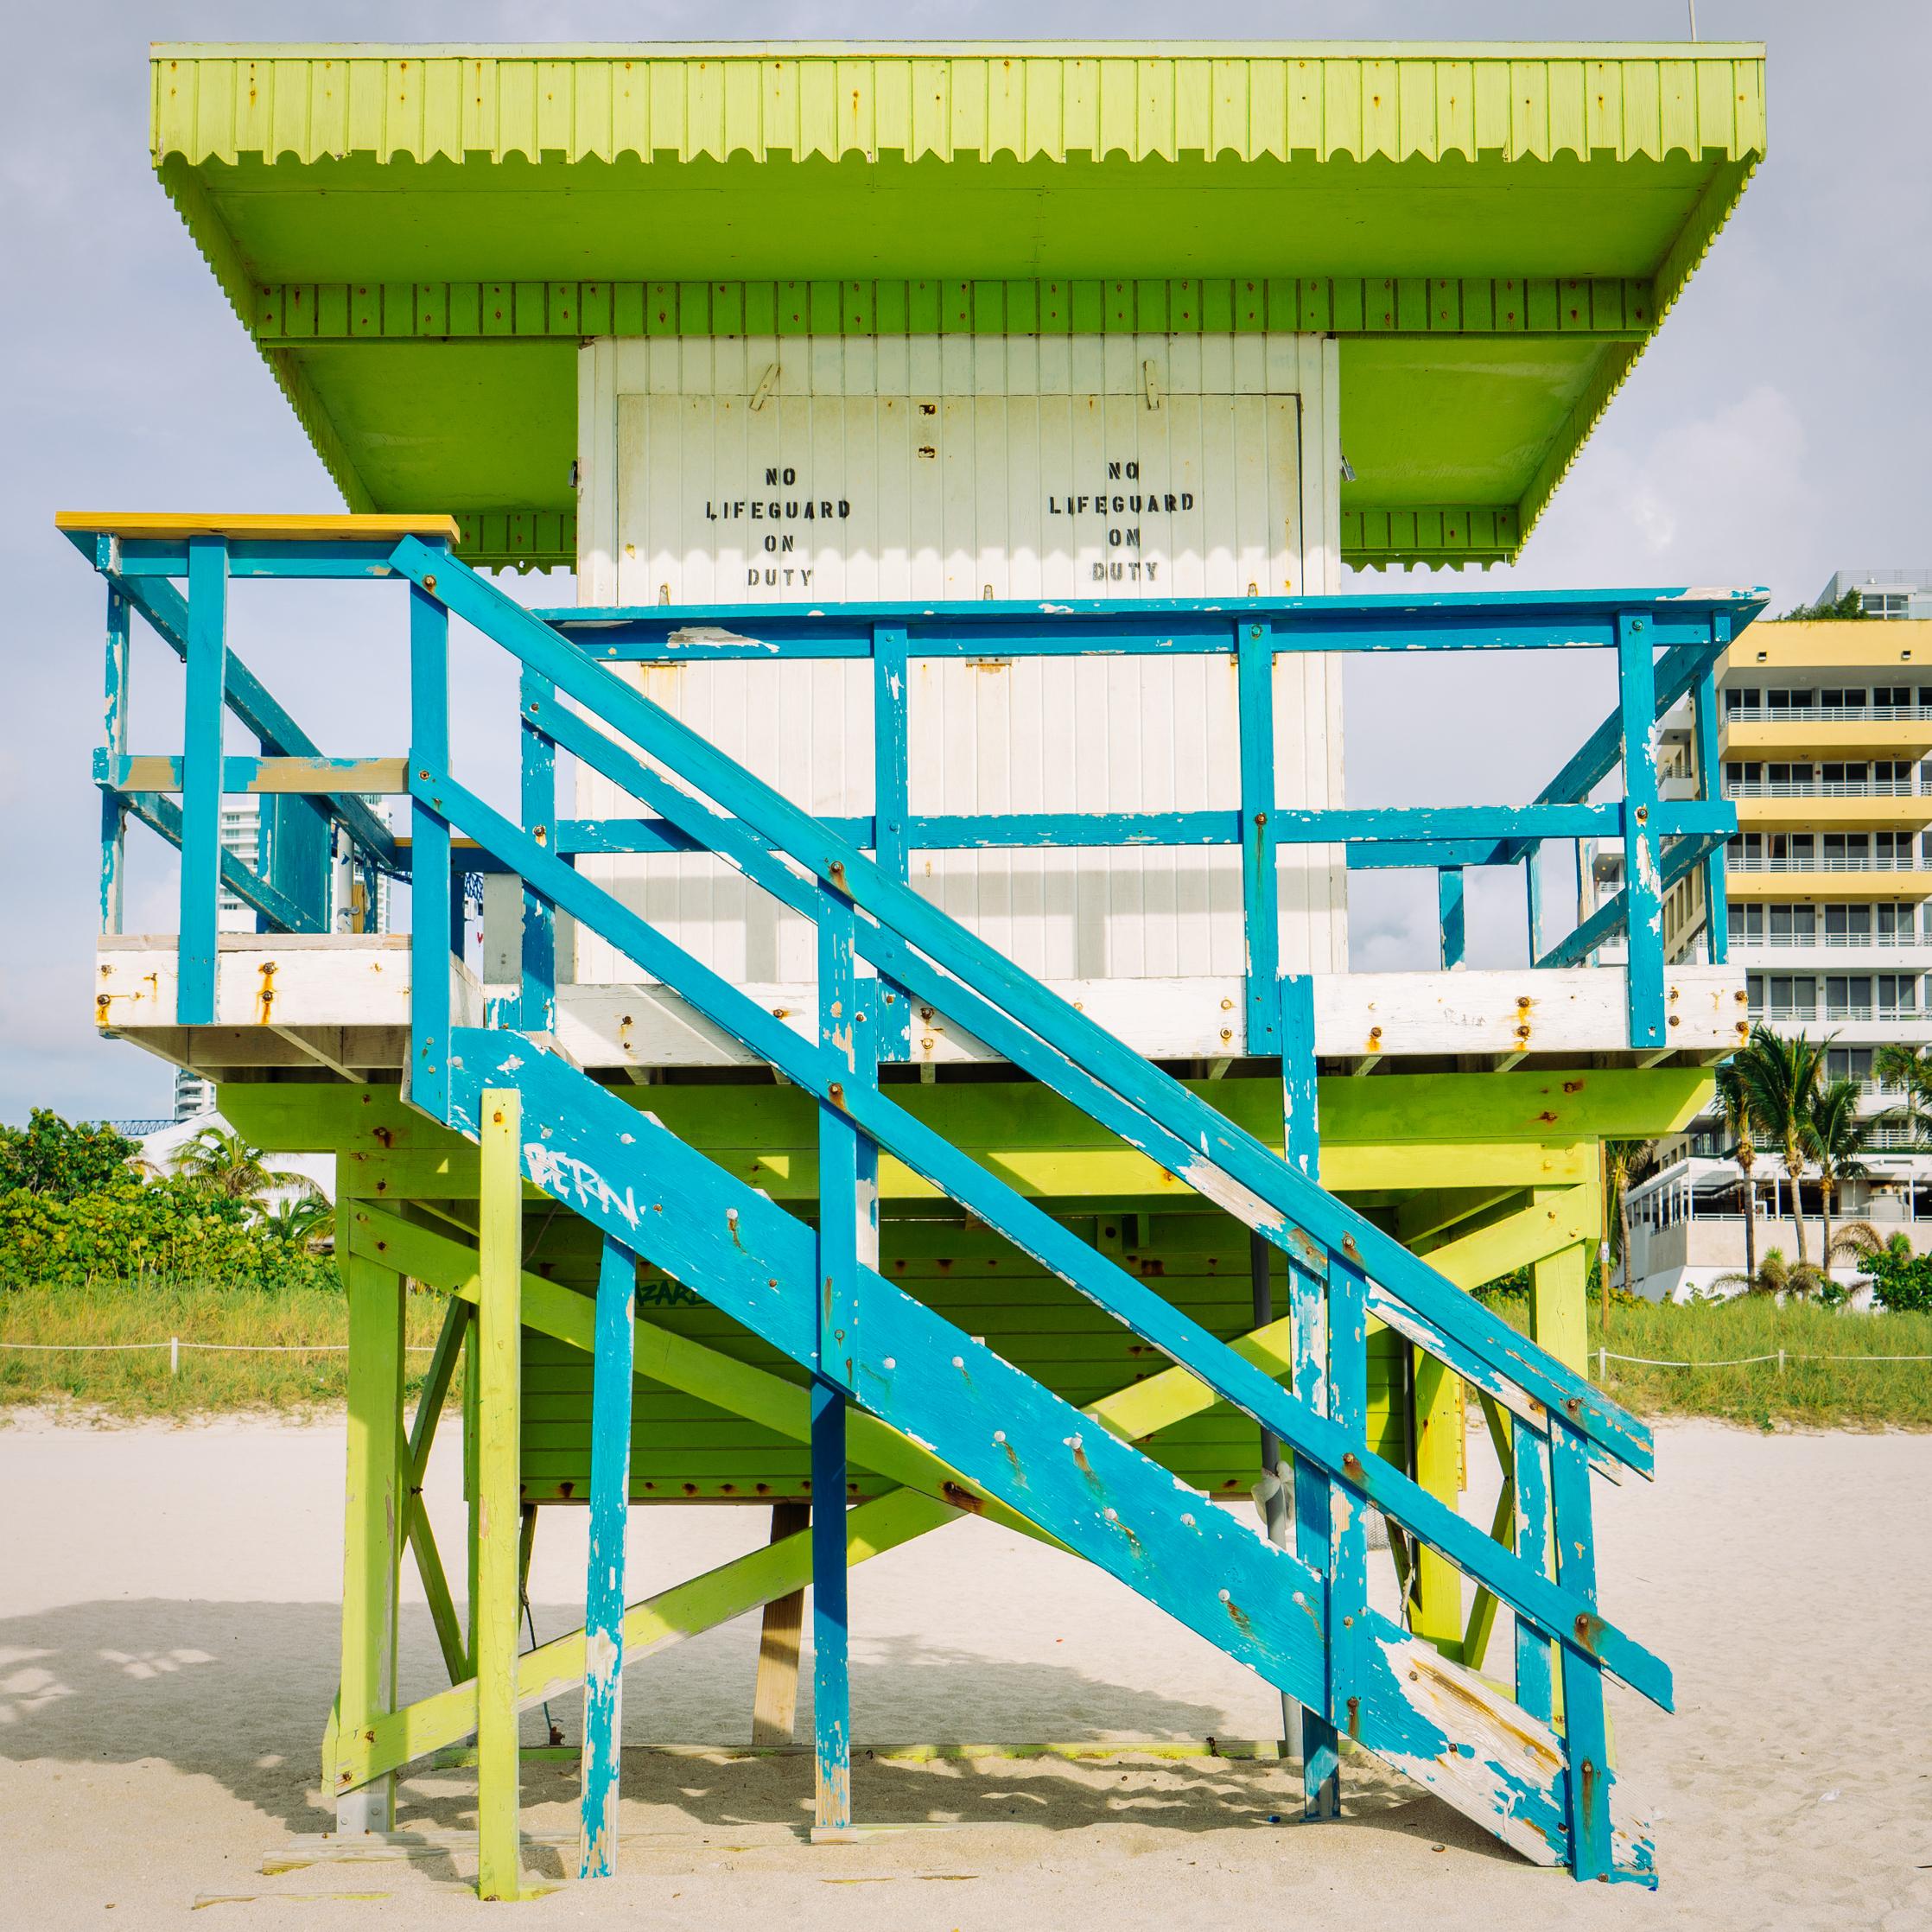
(918, 958)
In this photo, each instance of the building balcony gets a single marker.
(1820, 788)
(1823, 861)
(1841, 811)
(1810, 880)
(1878, 730)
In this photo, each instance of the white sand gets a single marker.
(167, 1628)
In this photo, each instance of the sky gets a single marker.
(1773, 432)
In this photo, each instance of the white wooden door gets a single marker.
(851, 469)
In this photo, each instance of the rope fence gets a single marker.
(174, 1345)
(1604, 1356)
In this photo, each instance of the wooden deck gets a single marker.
(339, 1005)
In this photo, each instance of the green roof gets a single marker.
(418, 237)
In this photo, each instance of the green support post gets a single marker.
(376, 1502)
(498, 1396)
(1558, 1302)
(1436, 1609)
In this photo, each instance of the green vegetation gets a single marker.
(1859, 1394)
(76, 1208)
(1843, 609)
(136, 1382)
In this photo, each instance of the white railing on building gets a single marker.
(1818, 788)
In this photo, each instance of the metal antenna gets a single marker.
(1693, 4)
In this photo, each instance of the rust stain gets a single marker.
(265, 998)
(1240, 1617)
(963, 1498)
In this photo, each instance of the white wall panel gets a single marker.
(968, 467)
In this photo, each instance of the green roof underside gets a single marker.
(418, 238)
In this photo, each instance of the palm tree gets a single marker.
(1908, 1068)
(1734, 1106)
(1781, 1075)
(1776, 1277)
(1624, 1162)
(1837, 1138)
(306, 1223)
(225, 1164)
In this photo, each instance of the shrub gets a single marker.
(1901, 1280)
(73, 1210)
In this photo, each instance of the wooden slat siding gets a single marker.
(499, 1262)
(433, 903)
(443, 1362)
(775, 1691)
(206, 714)
(604, 1592)
(537, 784)
(680, 1443)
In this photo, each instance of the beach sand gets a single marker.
(168, 1625)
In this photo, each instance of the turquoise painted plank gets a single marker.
(204, 716)
(433, 904)
(1532, 1515)
(892, 805)
(114, 733)
(536, 702)
(604, 1594)
(1717, 914)
(1586, 1740)
(1452, 939)
(1642, 857)
(1348, 1532)
(1260, 877)
(831, 1680)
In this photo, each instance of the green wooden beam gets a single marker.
(500, 1402)
(297, 314)
(374, 1499)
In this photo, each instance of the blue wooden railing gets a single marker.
(1666, 643)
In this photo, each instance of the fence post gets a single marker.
(1781, 1361)
(1603, 1366)
(173, 1355)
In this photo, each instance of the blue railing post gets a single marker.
(603, 1604)
(114, 735)
(1532, 1545)
(1586, 1742)
(848, 1242)
(1716, 913)
(204, 722)
(1450, 918)
(431, 909)
(1636, 684)
(1260, 893)
(1343, 1522)
(538, 1006)
(1533, 898)
(892, 811)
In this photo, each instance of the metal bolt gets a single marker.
(430, 582)
(889, 1363)
(1225, 1597)
(999, 1435)
(959, 1362)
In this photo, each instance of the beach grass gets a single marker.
(1864, 1392)
(133, 1382)
(1720, 1338)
